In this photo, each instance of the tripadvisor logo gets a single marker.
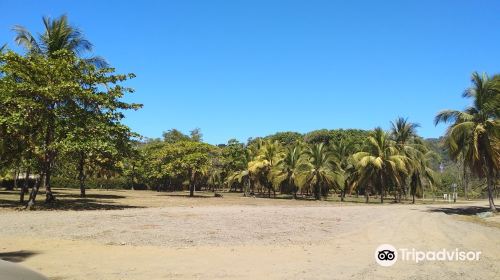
(387, 255)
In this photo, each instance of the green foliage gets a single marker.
(93, 183)
(474, 134)
(174, 135)
(287, 138)
(60, 104)
(380, 164)
(354, 136)
(320, 170)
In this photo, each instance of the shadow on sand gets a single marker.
(17, 256)
(67, 204)
(186, 195)
(90, 195)
(464, 211)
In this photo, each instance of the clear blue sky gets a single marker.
(239, 69)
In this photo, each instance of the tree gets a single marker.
(420, 169)
(318, 136)
(58, 35)
(343, 151)
(266, 154)
(320, 170)
(174, 135)
(185, 159)
(474, 133)
(41, 86)
(238, 163)
(287, 138)
(404, 133)
(380, 163)
(96, 134)
(49, 98)
(196, 135)
(286, 169)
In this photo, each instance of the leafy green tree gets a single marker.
(186, 159)
(51, 88)
(475, 132)
(318, 136)
(174, 135)
(196, 135)
(287, 138)
(96, 135)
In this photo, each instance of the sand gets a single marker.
(249, 240)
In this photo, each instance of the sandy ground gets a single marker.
(210, 238)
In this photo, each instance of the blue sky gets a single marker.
(239, 69)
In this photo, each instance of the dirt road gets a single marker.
(246, 242)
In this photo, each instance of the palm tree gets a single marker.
(343, 151)
(420, 169)
(474, 133)
(380, 163)
(242, 176)
(2, 48)
(58, 35)
(320, 171)
(286, 169)
(269, 154)
(404, 133)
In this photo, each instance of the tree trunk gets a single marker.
(25, 187)
(317, 191)
(466, 183)
(191, 189)
(382, 188)
(34, 192)
(413, 195)
(81, 174)
(49, 156)
(16, 177)
(491, 182)
(343, 191)
(191, 185)
(49, 196)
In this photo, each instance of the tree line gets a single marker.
(61, 113)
